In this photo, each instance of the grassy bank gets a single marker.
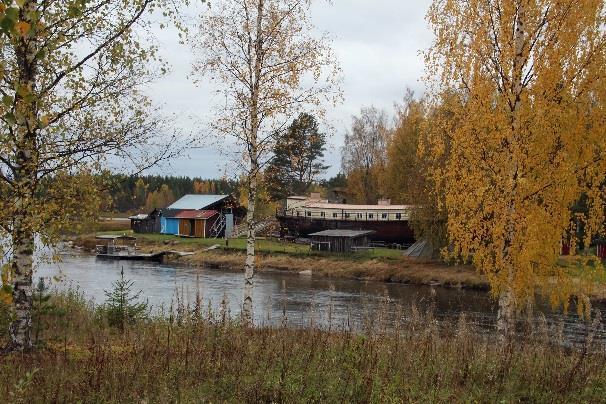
(191, 357)
(381, 264)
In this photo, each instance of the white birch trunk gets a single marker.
(22, 236)
(22, 267)
(506, 316)
(249, 266)
(253, 147)
(23, 249)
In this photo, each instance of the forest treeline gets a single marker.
(130, 193)
(134, 193)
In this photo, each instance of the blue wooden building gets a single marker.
(229, 213)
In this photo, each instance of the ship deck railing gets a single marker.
(344, 215)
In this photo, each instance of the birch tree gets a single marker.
(402, 168)
(270, 67)
(528, 143)
(364, 154)
(70, 73)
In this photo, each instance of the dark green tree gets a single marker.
(42, 307)
(298, 159)
(123, 305)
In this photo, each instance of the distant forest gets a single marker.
(145, 193)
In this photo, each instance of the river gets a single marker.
(278, 295)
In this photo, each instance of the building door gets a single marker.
(184, 227)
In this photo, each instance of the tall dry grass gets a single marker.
(191, 352)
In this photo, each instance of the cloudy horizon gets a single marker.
(377, 43)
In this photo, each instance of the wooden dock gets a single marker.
(123, 248)
(154, 257)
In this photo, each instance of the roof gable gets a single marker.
(196, 202)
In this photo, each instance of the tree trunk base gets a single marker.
(506, 318)
(13, 347)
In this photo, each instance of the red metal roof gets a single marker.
(196, 214)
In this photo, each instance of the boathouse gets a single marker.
(217, 215)
(341, 241)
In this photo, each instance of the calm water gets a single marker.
(304, 299)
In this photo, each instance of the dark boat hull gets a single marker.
(391, 231)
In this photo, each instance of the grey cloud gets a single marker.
(377, 43)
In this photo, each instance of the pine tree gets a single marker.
(298, 159)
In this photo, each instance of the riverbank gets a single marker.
(193, 357)
(381, 265)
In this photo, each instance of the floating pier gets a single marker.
(124, 248)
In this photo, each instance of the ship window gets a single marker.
(371, 215)
(335, 214)
(384, 215)
(398, 216)
(359, 216)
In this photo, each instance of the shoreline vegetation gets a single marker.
(380, 265)
(195, 355)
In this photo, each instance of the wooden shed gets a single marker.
(196, 223)
(340, 241)
(143, 223)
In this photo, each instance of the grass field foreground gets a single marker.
(192, 356)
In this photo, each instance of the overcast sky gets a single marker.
(377, 43)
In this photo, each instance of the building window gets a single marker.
(308, 213)
(322, 214)
(398, 216)
(359, 216)
(371, 215)
(347, 215)
(383, 215)
(335, 215)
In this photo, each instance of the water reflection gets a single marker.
(301, 299)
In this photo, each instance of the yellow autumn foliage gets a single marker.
(529, 143)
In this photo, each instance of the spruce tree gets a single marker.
(123, 306)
